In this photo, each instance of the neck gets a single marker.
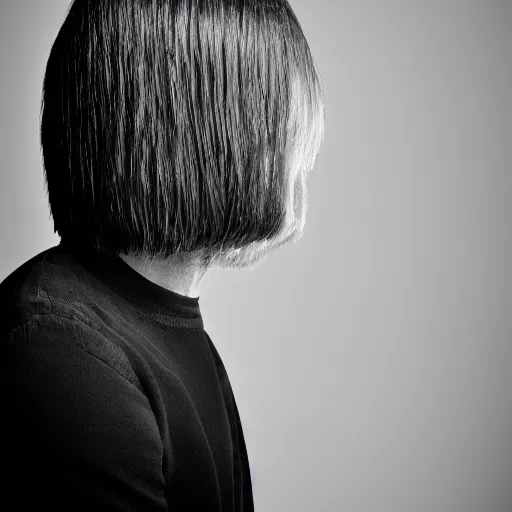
(180, 273)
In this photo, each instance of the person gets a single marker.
(177, 135)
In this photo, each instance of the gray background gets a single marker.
(371, 362)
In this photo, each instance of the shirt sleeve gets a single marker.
(76, 433)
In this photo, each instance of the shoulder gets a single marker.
(20, 295)
(54, 343)
(51, 283)
(53, 300)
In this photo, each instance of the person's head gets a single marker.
(180, 127)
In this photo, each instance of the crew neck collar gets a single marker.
(147, 297)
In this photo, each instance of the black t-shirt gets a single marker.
(113, 396)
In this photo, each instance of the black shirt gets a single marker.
(113, 396)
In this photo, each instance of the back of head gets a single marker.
(178, 125)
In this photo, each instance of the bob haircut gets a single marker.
(170, 126)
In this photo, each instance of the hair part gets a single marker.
(179, 125)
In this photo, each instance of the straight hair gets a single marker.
(173, 126)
